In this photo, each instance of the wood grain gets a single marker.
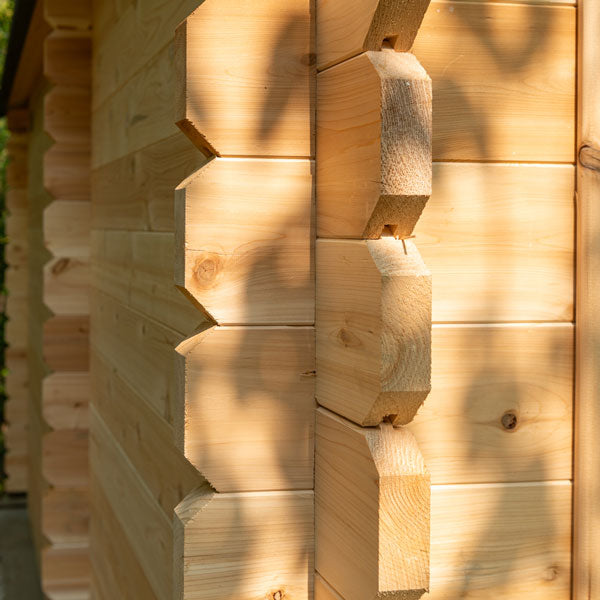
(586, 546)
(373, 329)
(493, 235)
(248, 419)
(373, 145)
(245, 232)
(244, 546)
(503, 80)
(501, 404)
(372, 510)
(256, 99)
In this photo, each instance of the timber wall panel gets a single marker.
(138, 317)
(498, 237)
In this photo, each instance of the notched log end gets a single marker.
(397, 23)
(399, 213)
(397, 408)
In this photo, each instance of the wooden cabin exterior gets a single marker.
(302, 297)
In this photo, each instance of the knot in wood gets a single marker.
(207, 268)
(60, 266)
(347, 338)
(509, 421)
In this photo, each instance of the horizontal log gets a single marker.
(244, 546)
(256, 98)
(247, 418)
(245, 233)
(66, 344)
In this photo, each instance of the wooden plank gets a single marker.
(147, 529)
(323, 591)
(515, 543)
(257, 97)
(140, 349)
(493, 235)
(345, 29)
(244, 546)
(501, 404)
(246, 418)
(67, 229)
(496, 99)
(372, 510)
(127, 35)
(244, 241)
(65, 398)
(115, 569)
(67, 57)
(67, 114)
(135, 192)
(144, 435)
(139, 114)
(373, 329)
(66, 515)
(67, 172)
(65, 458)
(136, 268)
(373, 145)
(68, 14)
(586, 545)
(65, 344)
(66, 572)
(66, 286)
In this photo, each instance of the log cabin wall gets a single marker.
(138, 317)
(498, 237)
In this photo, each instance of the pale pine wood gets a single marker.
(139, 114)
(116, 571)
(345, 29)
(67, 114)
(501, 541)
(146, 527)
(323, 591)
(66, 515)
(67, 56)
(67, 172)
(373, 145)
(493, 236)
(135, 192)
(127, 35)
(65, 572)
(244, 546)
(501, 406)
(66, 286)
(373, 328)
(140, 430)
(140, 348)
(503, 80)
(67, 229)
(256, 98)
(136, 268)
(248, 419)
(586, 546)
(65, 345)
(68, 14)
(65, 400)
(372, 510)
(65, 458)
(245, 232)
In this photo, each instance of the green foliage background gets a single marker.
(6, 12)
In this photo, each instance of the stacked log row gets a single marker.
(373, 302)
(244, 242)
(17, 282)
(63, 419)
